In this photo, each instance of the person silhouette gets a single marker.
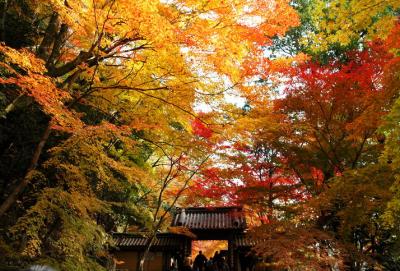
(199, 262)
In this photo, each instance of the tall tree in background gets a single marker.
(331, 109)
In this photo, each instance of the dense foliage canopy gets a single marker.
(114, 112)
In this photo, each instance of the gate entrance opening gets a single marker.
(209, 247)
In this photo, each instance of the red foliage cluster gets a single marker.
(200, 129)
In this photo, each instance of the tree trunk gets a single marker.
(58, 44)
(12, 198)
(3, 21)
(147, 251)
(48, 39)
(19, 103)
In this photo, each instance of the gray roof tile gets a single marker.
(210, 218)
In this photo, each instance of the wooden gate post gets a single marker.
(187, 250)
(231, 254)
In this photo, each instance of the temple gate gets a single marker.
(206, 223)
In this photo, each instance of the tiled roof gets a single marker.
(210, 218)
(242, 240)
(163, 240)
